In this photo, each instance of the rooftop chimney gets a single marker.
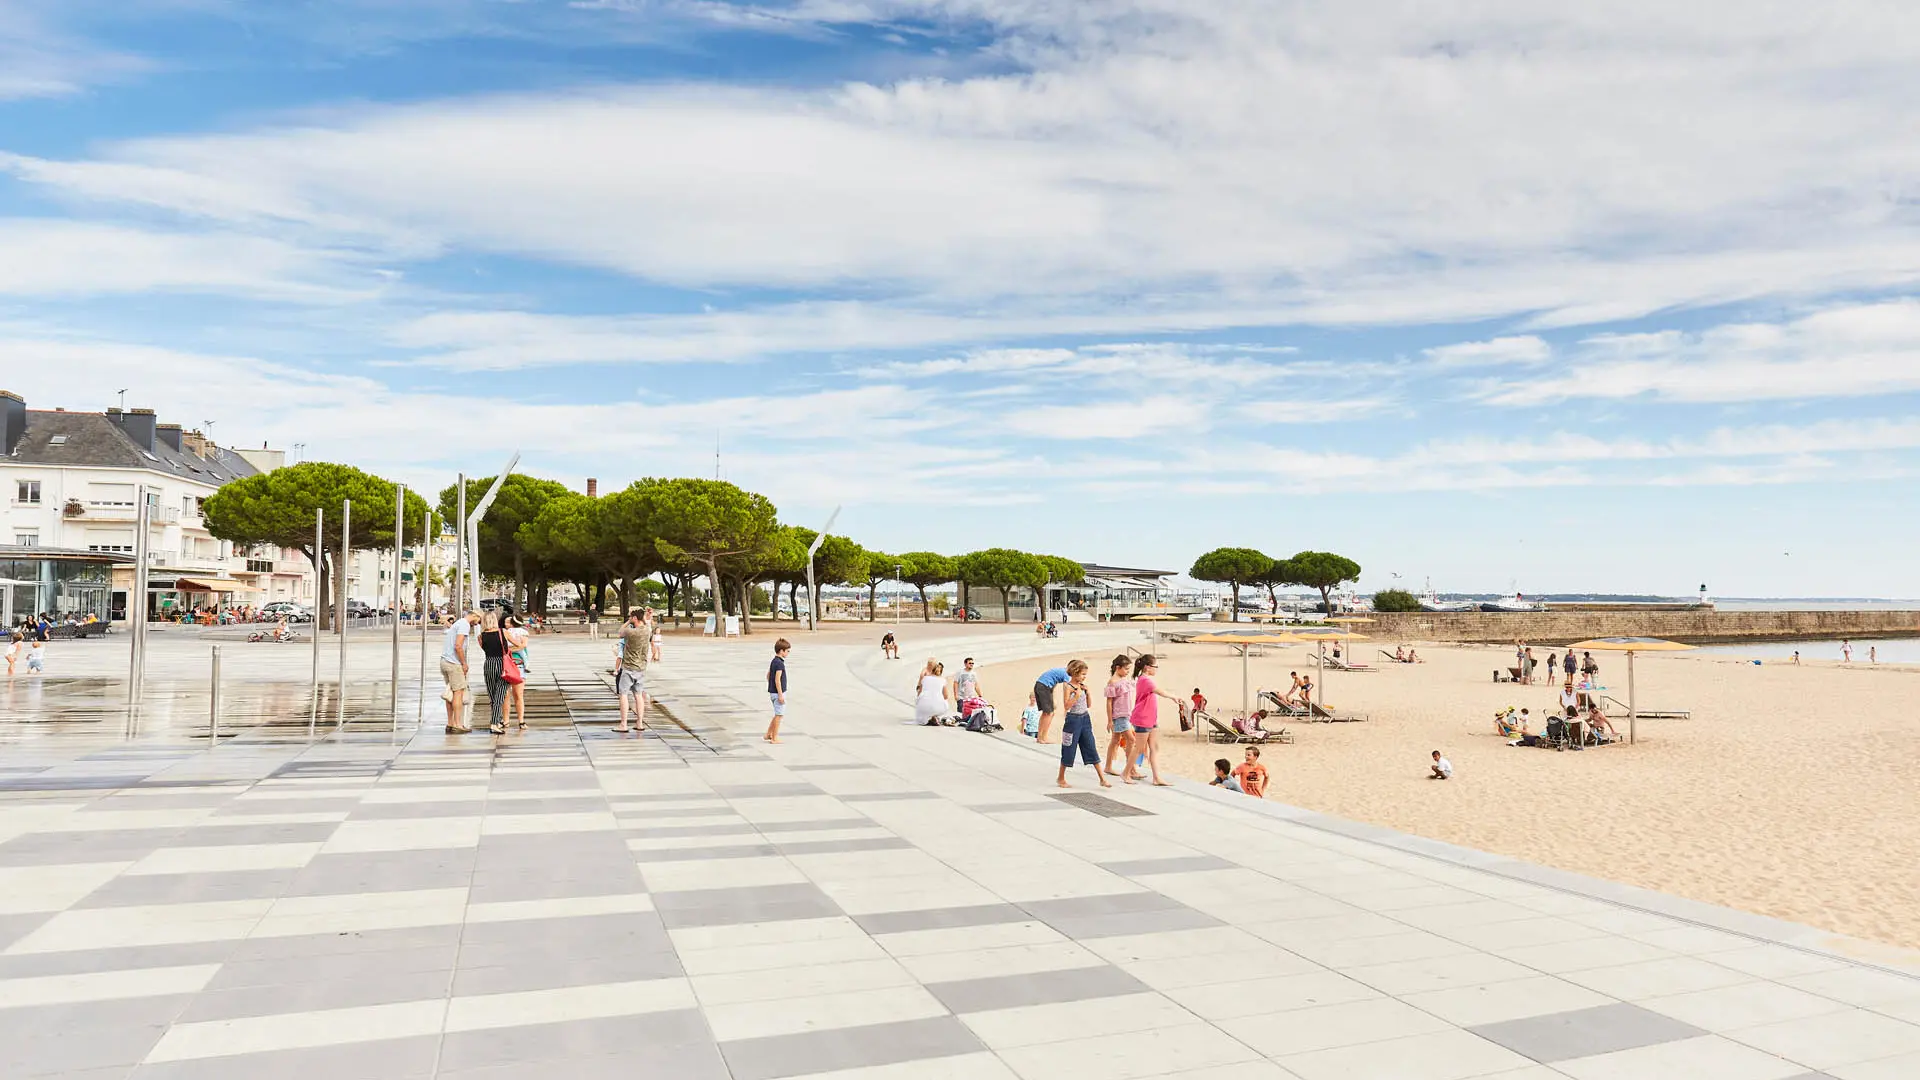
(13, 420)
(169, 434)
(194, 442)
(139, 425)
(593, 487)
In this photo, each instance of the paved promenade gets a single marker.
(868, 901)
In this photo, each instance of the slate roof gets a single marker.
(92, 439)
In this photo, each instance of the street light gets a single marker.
(813, 594)
(898, 572)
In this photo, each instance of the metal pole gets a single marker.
(1633, 703)
(399, 534)
(426, 605)
(897, 571)
(340, 612)
(460, 548)
(137, 600)
(213, 702)
(319, 604)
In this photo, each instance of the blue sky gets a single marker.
(1620, 299)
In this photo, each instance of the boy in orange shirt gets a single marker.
(1252, 775)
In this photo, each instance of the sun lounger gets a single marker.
(1615, 708)
(1347, 665)
(1221, 733)
(1385, 655)
(1322, 713)
(1279, 707)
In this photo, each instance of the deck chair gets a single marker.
(1348, 665)
(1321, 712)
(1280, 708)
(1389, 657)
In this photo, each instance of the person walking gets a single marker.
(493, 647)
(13, 652)
(777, 688)
(653, 621)
(1145, 717)
(630, 673)
(517, 637)
(1119, 694)
(1077, 732)
(453, 671)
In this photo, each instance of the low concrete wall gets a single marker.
(1699, 626)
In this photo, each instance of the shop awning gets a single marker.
(213, 585)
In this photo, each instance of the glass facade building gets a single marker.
(61, 585)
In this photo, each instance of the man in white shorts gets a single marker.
(630, 676)
(453, 670)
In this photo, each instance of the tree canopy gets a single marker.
(927, 568)
(1003, 569)
(277, 508)
(712, 523)
(1395, 600)
(1322, 570)
(1235, 566)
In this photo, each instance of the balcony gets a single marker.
(114, 511)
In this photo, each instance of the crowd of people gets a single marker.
(502, 638)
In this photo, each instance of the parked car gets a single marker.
(291, 611)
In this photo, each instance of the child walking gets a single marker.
(1077, 731)
(777, 687)
(37, 658)
(1030, 718)
(1119, 707)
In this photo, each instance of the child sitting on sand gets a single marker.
(1442, 768)
(1030, 719)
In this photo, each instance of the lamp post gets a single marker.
(137, 603)
(399, 535)
(813, 593)
(898, 571)
(460, 547)
(340, 612)
(426, 605)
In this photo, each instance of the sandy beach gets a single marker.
(1790, 792)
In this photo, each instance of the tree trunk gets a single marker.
(1234, 596)
(873, 591)
(926, 611)
(793, 599)
(719, 617)
(1326, 600)
(626, 596)
(1273, 599)
(747, 586)
(667, 581)
(1040, 600)
(1006, 603)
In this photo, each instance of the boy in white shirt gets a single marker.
(1442, 768)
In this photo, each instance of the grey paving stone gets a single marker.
(222, 835)
(51, 848)
(85, 961)
(803, 846)
(538, 969)
(386, 871)
(15, 927)
(848, 1048)
(366, 987)
(1181, 864)
(1127, 924)
(1104, 904)
(574, 936)
(833, 766)
(130, 890)
(409, 811)
(886, 796)
(665, 832)
(734, 851)
(765, 791)
(1037, 988)
(677, 1061)
(71, 1053)
(654, 810)
(1602, 1029)
(79, 1019)
(581, 779)
(731, 907)
(900, 922)
(851, 821)
(497, 886)
(317, 803)
(573, 1039)
(384, 1059)
(1018, 807)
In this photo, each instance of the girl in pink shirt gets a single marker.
(1146, 714)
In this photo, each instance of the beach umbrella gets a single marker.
(1245, 643)
(1323, 634)
(1630, 645)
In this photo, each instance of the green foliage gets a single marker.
(1235, 567)
(1003, 569)
(732, 534)
(926, 568)
(1395, 600)
(277, 508)
(840, 561)
(1062, 571)
(1322, 570)
(519, 501)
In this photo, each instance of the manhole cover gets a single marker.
(1101, 805)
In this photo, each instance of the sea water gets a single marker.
(1890, 650)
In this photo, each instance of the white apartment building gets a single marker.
(71, 482)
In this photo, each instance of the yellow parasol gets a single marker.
(1245, 643)
(1630, 645)
(1324, 633)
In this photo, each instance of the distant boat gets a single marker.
(1430, 601)
(1514, 602)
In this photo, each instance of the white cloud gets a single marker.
(1424, 167)
(1843, 351)
(1494, 353)
(37, 60)
(48, 257)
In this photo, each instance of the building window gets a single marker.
(28, 493)
(125, 549)
(26, 539)
(260, 566)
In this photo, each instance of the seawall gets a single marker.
(1698, 626)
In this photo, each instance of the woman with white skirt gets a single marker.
(934, 700)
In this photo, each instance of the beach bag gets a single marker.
(510, 672)
(981, 719)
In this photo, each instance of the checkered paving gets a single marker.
(869, 901)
